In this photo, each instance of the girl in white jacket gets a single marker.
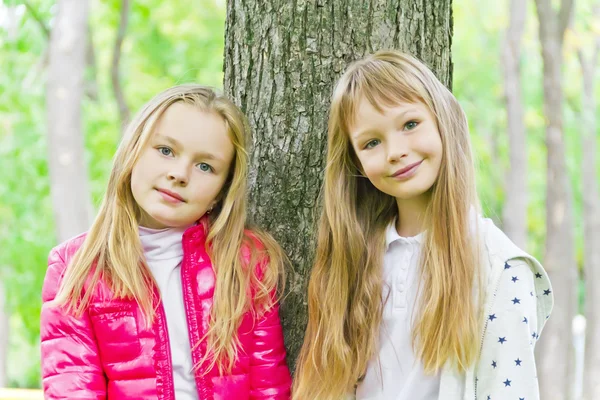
(413, 295)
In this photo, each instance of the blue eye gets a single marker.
(410, 125)
(205, 167)
(165, 151)
(372, 143)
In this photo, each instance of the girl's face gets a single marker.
(399, 149)
(182, 168)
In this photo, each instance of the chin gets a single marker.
(163, 222)
(408, 195)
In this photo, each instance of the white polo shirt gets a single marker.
(394, 373)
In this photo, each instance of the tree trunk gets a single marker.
(116, 59)
(281, 62)
(3, 337)
(591, 226)
(91, 84)
(515, 205)
(65, 87)
(555, 347)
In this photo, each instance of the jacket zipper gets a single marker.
(486, 317)
(163, 315)
(201, 386)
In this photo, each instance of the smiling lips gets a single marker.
(171, 197)
(407, 171)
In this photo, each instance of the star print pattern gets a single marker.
(506, 368)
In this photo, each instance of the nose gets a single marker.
(179, 174)
(397, 149)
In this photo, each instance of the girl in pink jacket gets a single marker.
(169, 295)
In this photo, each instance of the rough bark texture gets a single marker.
(591, 225)
(515, 205)
(282, 59)
(3, 338)
(555, 366)
(64, 92)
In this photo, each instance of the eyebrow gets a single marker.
(175, 143)
(370, 131)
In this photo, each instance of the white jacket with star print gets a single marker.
(518, 302)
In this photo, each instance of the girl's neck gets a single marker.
(411, 215)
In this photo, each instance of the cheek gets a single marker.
(144, 167)
(139, 176)
(135, 179)
(438, 154)
(436, 161)
(431, 144)
(372, 167)
(207, 189)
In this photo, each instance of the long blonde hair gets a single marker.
(112, 250)
(345, 290)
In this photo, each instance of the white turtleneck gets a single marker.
(164, 254)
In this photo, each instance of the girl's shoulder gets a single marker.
(508, 264)
(58, 259)
(261, 252)
(64, 252)
(257, 245)
(497, 245)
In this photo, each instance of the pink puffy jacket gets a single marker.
(109, 353)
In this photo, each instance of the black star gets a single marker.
(514, 279)
(538, 275)
(506, 266)
(501, 340)
(521, 398)
(525, 319)
(506, 383)
(492, 317)
(518, 363)
(547, 292)
(533, 335)
(494, 364)
(516, 301)
(489, 398)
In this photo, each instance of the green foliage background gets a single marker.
(174, 42)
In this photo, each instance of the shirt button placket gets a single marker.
(401, 279)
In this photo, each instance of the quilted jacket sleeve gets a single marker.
(71, 366)
(269, 374)
(522, 302)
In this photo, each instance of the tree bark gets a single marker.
(515, 205)
(554, 351)
(116, 59)
(591, 223)
(281, 62)
(64, 92)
